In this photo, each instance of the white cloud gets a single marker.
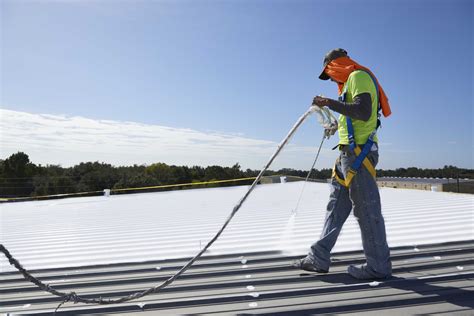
(66, 140)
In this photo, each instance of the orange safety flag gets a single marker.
(339, 70)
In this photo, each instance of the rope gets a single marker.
(126, 189)
(49, 196)
(73, 297)
(182, 184)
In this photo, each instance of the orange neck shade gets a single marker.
(339, 70)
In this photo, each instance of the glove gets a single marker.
(321, 101)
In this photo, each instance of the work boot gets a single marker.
(308, 264)
(362, 272)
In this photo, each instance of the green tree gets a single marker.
(17, 175)
(161, 172)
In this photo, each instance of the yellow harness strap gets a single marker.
(336, 176)
(368, 165)
(351, 173)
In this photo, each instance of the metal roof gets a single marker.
(120, 244)
(434, 279)
(423, 180)
(176, 224)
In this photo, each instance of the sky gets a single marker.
(220, 82)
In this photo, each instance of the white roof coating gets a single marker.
(175, 224)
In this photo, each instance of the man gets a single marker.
(360, 96)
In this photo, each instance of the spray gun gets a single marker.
(327, 120)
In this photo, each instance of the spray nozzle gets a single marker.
(326, 119)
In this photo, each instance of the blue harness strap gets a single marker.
(350, 132)
(363, 154)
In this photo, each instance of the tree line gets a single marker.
(19, 177)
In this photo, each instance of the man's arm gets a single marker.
(359, 109)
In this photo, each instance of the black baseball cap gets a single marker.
(334, 54)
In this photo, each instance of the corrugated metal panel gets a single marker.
(435, 279)
(113, 246)
(423, 180)
(154, 226)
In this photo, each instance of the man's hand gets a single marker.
(321, 101)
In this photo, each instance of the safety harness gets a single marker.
(361, 154)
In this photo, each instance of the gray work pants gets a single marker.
(362, 197)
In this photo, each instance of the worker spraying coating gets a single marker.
(353, 185)
(362, 192)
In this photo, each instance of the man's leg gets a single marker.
(365, 196)
(338, 209)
